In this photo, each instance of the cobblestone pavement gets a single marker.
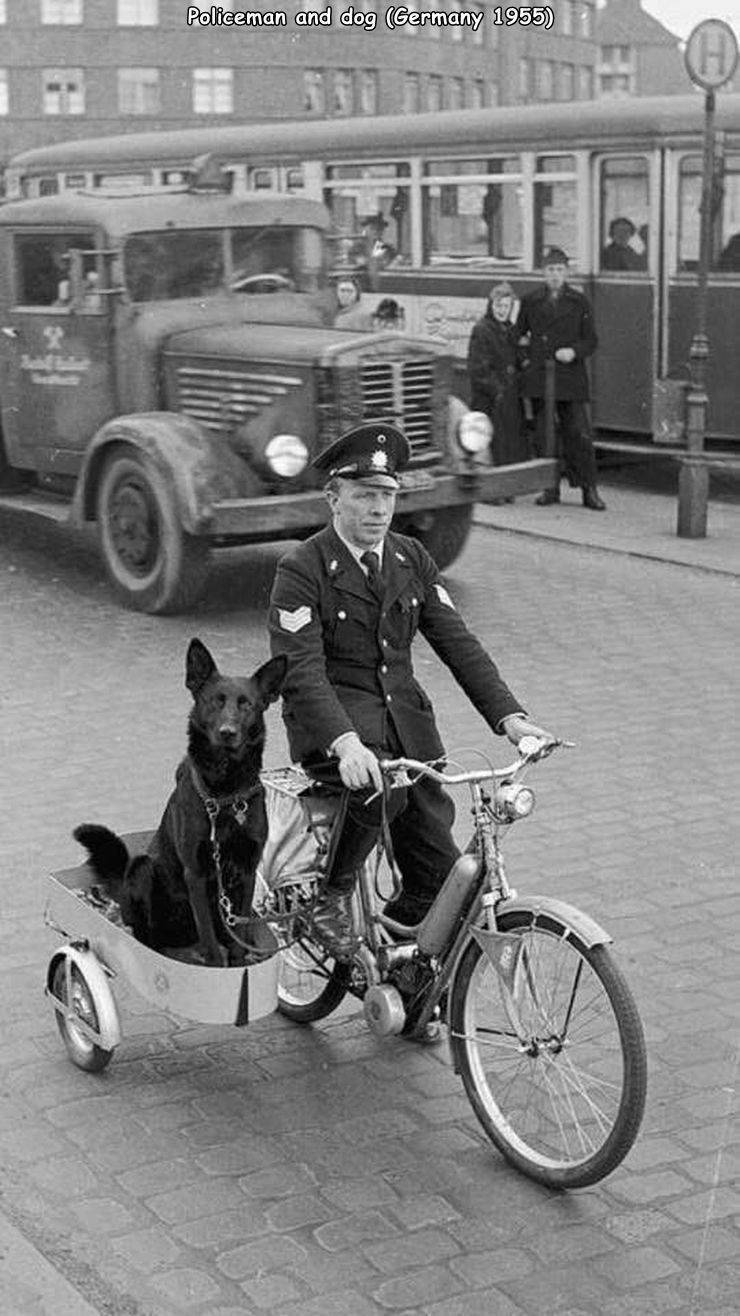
(323, 1172)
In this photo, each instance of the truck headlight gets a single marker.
(474, 431)
(286, 455)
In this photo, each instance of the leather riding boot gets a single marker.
(548, 496)
(331, 922)
(592, 500)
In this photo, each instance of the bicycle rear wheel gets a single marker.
(551, 1053)
(310, 983)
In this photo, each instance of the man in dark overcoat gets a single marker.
(345, 607)
(555, 323)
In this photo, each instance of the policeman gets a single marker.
(345, 607)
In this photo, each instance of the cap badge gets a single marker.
(379, 459)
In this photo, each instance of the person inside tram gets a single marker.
(619, 253)
(729, 257)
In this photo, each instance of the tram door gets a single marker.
(625, 293)
(683, 197)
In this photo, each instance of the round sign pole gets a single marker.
(711, 58)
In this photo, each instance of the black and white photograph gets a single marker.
(369, 484)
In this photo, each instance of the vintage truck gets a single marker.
(169, 366)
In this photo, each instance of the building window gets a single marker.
(434, 93)
(567, 82)
(410, 29)
(525, 78)
(3, 91)
(314, 92)
(61, 11)
(566, 18)
(456, 94)
(3, 13)
(368, 91)
(479, 36)
(139, 13)
(64, 91)
(586, 20)
(342, 97)
(411, 93)
(585, 83)
(138, 91)
(213, 91)
(434, 32)
(545, 80)
(478, 94)
(456, 33)
(494, 94)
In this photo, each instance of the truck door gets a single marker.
(56, 376)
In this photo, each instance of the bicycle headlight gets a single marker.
(474, 431)
(515, 800)
(286, 455)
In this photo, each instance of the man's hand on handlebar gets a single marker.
(517, 726)
(358, 766)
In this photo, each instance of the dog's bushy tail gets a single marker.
(108, 854)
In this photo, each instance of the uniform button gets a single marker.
(389, 699)
(384, 643)
(414, 602)
(384, 668)
(342, 615)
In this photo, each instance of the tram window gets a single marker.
(555, 205)
(48, 186)
(725, 252)
(625, 211)
(369, 206)
(473, 222)
(74, 182)
(42, 267)
(727, 259)
(261, 180)
(294, 181)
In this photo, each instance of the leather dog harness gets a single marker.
(239, 805)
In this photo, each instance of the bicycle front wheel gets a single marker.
(551, 1052)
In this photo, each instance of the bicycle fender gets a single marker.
(586, 928)
(109, 1024)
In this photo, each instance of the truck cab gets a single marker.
(170, 365)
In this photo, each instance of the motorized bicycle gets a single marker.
(543, 1029)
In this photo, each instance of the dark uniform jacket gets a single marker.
(492, 367)
(350, 653)
(564, 322)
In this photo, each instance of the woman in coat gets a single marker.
(492, 368)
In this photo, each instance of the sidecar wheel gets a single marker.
(83, 1052)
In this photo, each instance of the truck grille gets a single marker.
(221, 398)
(401, 390)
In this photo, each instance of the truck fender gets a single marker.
(200, 467)
(95, 975)
(586, 928)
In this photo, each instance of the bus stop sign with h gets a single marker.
(711, 57)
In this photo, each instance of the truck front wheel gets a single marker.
(153, 565)
(443, 532)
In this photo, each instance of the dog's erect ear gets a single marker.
(269, 678)
(199, 665)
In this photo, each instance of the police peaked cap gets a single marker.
(372, 452)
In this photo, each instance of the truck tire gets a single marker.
(152, 564)
(444, 532)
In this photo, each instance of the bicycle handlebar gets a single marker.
(539, 749)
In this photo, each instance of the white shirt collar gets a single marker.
(358, 552)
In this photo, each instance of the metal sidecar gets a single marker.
(96, 950)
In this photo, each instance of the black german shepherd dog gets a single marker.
(213, 829)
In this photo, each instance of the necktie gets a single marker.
(371, 562)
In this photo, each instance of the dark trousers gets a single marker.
(574, 445)
(420, 822)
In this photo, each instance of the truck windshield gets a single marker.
(195, 262)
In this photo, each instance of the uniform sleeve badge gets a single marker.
(294, 621)
(443, 596)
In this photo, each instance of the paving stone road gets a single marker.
(323, 1172)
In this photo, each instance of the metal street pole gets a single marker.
(693, 480)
